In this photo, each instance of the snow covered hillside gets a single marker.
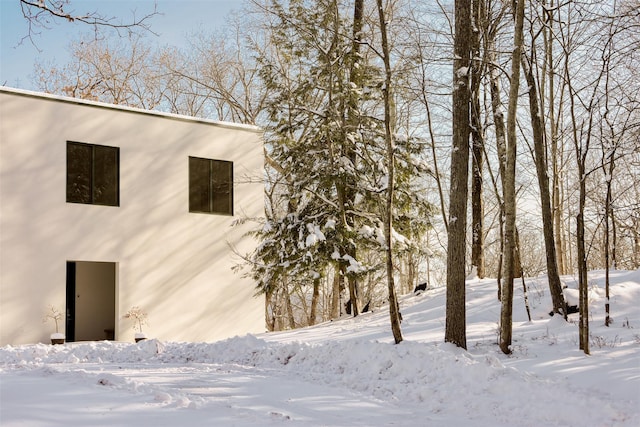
(348, 372)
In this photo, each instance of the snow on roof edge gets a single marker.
(34, 94)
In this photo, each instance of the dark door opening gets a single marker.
(71, 302)
(91, 291)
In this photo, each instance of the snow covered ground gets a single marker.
(348, 372)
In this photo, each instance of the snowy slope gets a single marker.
(348, 372)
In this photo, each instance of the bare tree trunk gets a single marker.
(335, 294)
(346, 195)
(555, 287)
(524, 284)
(636, 247)
(581, 158)
(498, 120)
(389, 122)
(455, 323)
(607, 212)
(518, 271)
(557, 209)
(434, 153)
(422, 77)
(496, 192)
(314, 302)
(270, 318)
(583, 324)
(608, 159)
(614, 238)
(556, 206)
(287, 300)
(506, 314)
(278, 315)
(477, 137)
(413, 273)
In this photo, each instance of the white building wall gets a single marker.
(174, 264)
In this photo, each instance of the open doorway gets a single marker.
(91, 301)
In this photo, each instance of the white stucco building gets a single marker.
(103, 208)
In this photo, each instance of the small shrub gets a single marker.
(54, 315)
(601, 342)
(138, 316)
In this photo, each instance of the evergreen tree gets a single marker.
(326, 138)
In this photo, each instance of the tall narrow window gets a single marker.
(210, 186)
(93, 174)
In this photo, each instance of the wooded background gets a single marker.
(408, 142)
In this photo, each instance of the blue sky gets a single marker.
(17, 56)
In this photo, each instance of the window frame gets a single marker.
(93, 199)
(210, 199)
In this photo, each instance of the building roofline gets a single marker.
(78, 101)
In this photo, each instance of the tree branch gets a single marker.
(42, 13)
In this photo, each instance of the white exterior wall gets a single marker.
(174, 264)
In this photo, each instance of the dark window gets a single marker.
(93, 174)
(210, 186)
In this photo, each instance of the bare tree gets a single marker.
(555, 148)
(619, 120)
(506, 315)
(477, 145)
(389, 123)
(586, 98)
(455, 324)
(491, 26)
(537, 127)
(40, 14)
(119, 72)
